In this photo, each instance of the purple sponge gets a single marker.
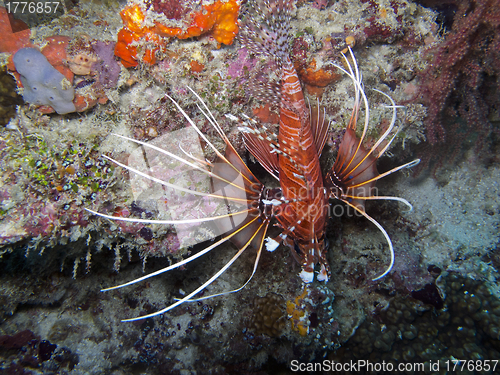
(43, 84)
(107, 68)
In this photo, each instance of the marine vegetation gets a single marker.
(242, 208)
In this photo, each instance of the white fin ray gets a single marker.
(257, 258)
(179, 264)
(200, 288)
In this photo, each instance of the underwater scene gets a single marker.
(249, 187)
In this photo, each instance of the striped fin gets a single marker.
(259, 143)
(319, 126)
(354, 173)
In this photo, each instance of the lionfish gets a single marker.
(300, 204)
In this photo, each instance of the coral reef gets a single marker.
(467, 328)
(106, 67)
(296, 314)
(131, 34)
(24, 349)
(269, 316)
(54, 49)
(55, 257)
(80, 56)
(12, 40)
(8, 97)
(137, 42)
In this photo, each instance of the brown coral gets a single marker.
(269, 315)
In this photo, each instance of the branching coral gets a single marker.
(460, 87)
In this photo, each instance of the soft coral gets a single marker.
(464, 72)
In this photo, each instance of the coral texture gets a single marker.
(461, 85)
(12, 40)
(416, 331)
(106, 67)
(269, 315)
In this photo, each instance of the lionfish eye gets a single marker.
(297, 249)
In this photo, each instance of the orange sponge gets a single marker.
(220, 18)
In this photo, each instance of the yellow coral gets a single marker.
(296, 314)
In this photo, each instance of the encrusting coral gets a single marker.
(12, 40)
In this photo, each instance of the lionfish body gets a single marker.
(302, 215)
(300, 204)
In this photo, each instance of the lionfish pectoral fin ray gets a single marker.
(382, 152)
(171, 222)
(175, 265)
(360, 94)
(407, 165)
(192, 157)
(199, 289)
(256, 263)
(210, 117)
(383, 137)
(382, 197)
(381, 228)
(245, 172)
(173, 156)
(179, 188)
